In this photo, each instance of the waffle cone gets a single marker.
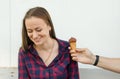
(73, 45)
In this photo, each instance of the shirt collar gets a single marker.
(63, 46)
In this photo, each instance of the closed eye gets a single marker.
(29, 31)
(38, 30)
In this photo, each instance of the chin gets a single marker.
(38, 43)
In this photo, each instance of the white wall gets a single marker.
(4, 33)
(95, 24)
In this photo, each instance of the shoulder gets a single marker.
(22, 51)
(63, 43)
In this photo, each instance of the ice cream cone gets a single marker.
(72, 42)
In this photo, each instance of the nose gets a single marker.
(35, 34)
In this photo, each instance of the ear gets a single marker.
(49, 27)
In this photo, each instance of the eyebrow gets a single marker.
(35, 28)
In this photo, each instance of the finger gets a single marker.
(72, 51)
(74, 55)
(81, 49)
(74, 58)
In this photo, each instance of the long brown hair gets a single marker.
(38, 12)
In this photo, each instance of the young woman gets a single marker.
(42, 55)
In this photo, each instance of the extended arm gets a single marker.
(84, 55)
(112, 64)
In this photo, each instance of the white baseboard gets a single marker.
(87, 73)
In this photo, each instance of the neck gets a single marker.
(47, 46)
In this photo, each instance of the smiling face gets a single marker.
(37, 30)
